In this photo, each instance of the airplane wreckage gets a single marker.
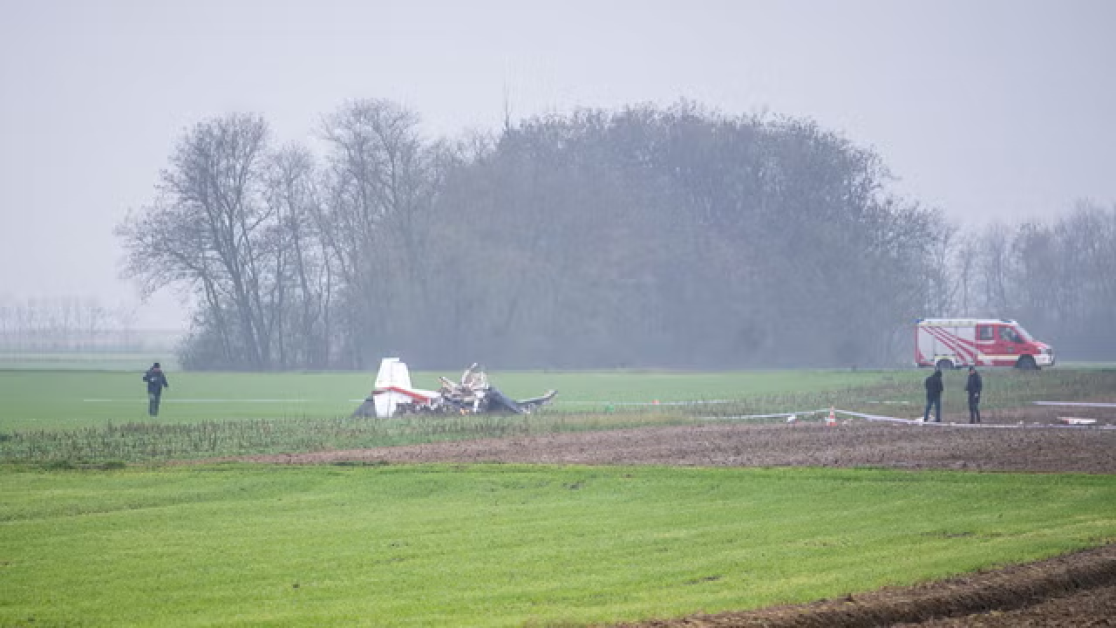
(394, 395)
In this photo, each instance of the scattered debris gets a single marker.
(1072, 420)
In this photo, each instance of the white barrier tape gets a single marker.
(891, 419)
(877, 417)
(1075, 404)
(994, 426)
(756, 417)
(646, 403)
(987, 426)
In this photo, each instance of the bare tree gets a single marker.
(994, 269)
(967, 253)
(1037, 263)
(210, 229)
(941, 288)
(304, 267)
(376, 184)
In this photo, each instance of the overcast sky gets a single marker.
(990, 110)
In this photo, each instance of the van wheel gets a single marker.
(945, 365)
(1026, 363)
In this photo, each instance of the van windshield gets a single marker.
(1023, 335)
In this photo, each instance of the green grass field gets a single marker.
(58, 399)
(87, 541)
(41, 399)
(503, 545)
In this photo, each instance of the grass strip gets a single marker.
(502, 545)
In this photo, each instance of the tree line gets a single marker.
(648, 236)
(65, 324)
(1056, 277)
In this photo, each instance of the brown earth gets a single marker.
(1076, 589)
(1073, 590)
(856, 444)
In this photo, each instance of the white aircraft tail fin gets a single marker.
(393, 374)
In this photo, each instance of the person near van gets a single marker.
(156, 381)
(934, 388)
(974, 387)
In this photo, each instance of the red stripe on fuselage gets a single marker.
(410, 393)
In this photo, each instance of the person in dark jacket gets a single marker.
(934, 388)
(974, 387)
(156, 382)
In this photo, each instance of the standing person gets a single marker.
(156, 382)
(934, 388)
(973, 387)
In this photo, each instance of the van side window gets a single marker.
(984, 332)
(1007, 333)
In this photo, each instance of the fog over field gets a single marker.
(573, 184)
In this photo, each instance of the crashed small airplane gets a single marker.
(393, 394)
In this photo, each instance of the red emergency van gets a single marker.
(948, 343)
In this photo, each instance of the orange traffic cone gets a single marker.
(832, 418)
